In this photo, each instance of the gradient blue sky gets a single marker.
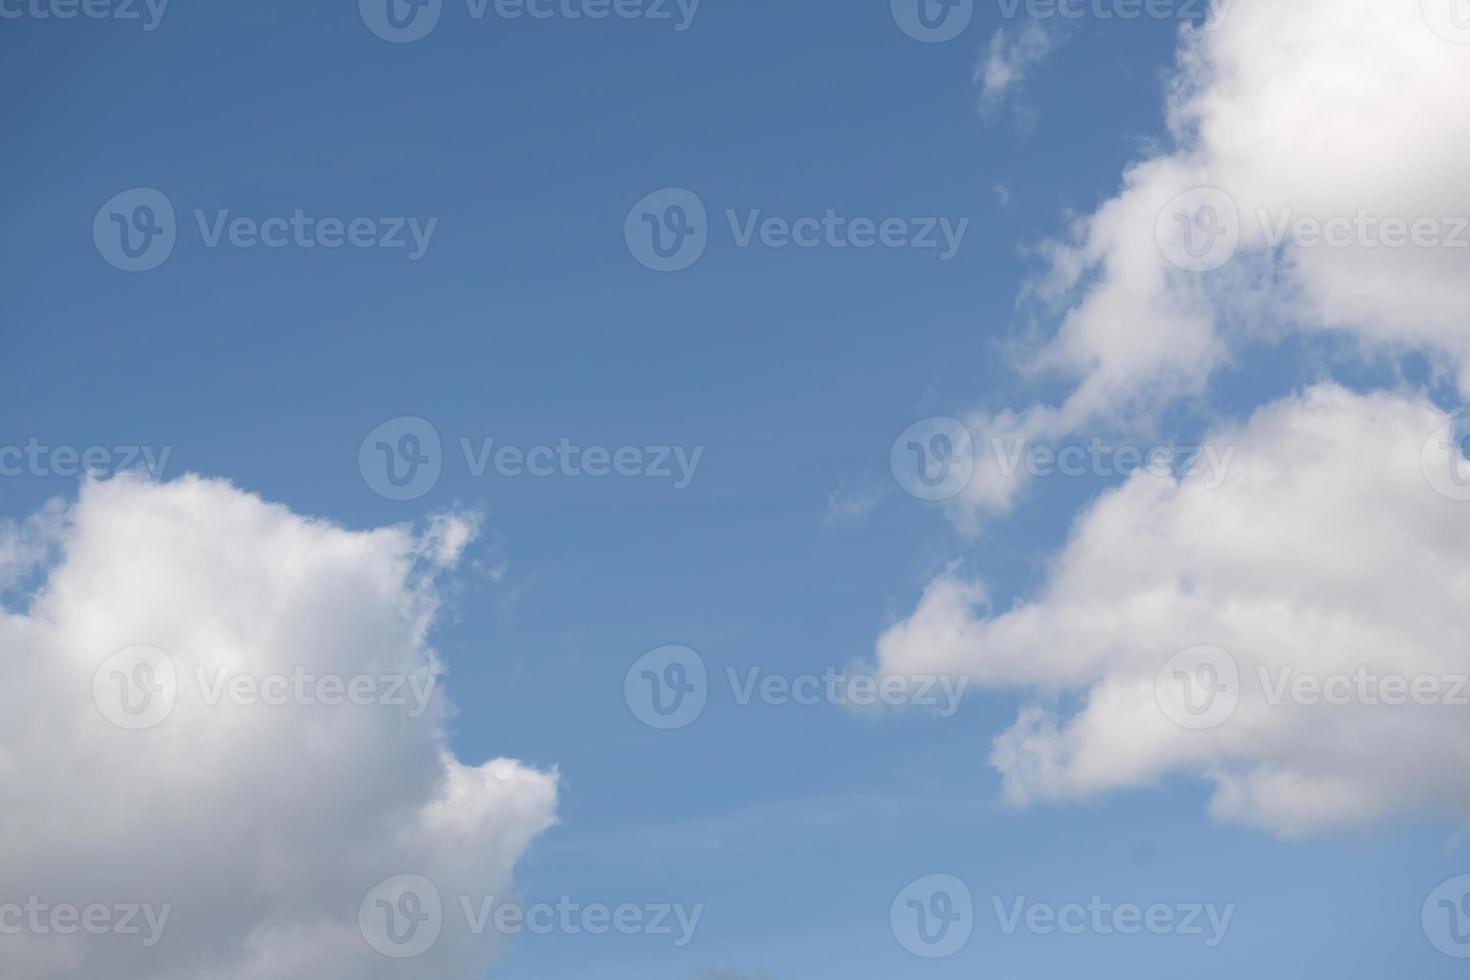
(528, 321)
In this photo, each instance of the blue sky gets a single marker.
(528, 321)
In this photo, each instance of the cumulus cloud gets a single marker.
(1326, 551)
(1285, 120)
(262, 824)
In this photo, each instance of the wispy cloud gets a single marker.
(851, 505)
(1011, 57)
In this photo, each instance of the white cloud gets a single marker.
(1324, 550)
(263, 826)
(850, 505)
(1011, 56)
(1316, 109)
